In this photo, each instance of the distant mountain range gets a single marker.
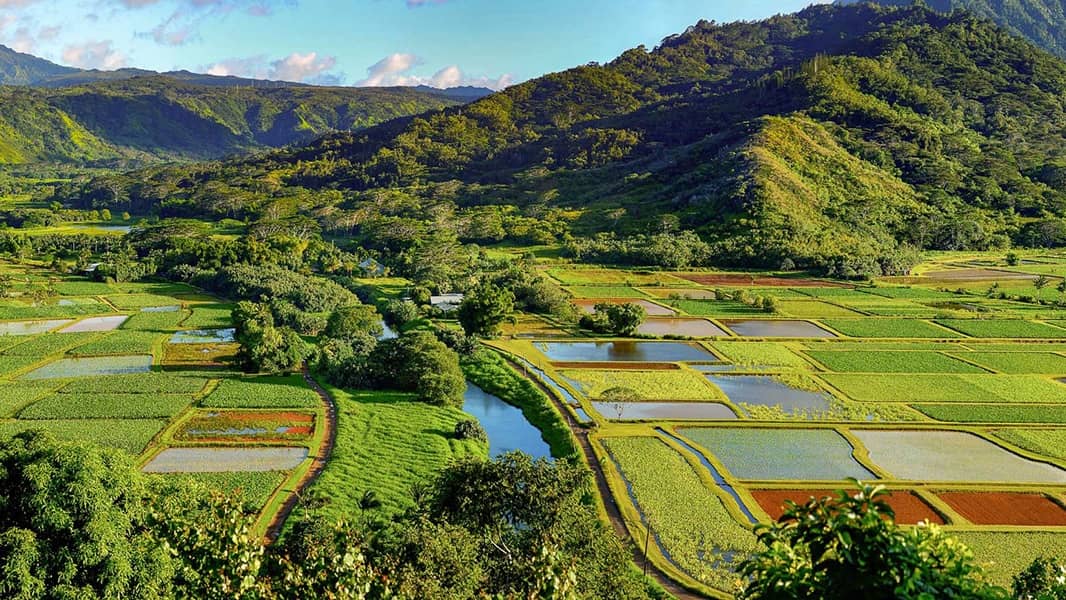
(1042, 22)
(52, 113)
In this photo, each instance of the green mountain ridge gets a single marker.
(840, 137)
(1043, 22)
(152, 118)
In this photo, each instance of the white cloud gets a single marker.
(94, 55)
(309, 67)
(395, 70)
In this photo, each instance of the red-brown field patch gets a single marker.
(909, 508)
(739, 279)
(1006, 508)
(246, 426)
(637, 366)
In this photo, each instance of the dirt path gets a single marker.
(324, 451)
(614, 514)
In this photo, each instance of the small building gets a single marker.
(90, 268)
(446, 302)
(372, 267)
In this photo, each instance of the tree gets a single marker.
(1041, 282)
(1044, 579)
(73, 522)
(484, 309)
(850, 547)
(353, 321)
(615, 319)
(418, 362)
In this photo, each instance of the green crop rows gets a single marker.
(262, 392)
(691, 523)
(891, 362)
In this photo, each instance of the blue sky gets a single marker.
(357, 42)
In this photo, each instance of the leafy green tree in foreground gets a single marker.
(1045, 579)
(484, 308)
(850, 547)
(74, 524)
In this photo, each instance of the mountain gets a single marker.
(158, 117)
(1041, 21)
(840, 138)
(17, 68)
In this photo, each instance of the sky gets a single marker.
(444, 43)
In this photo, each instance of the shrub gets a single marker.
(470, 430)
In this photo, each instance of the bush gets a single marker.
(470, 430)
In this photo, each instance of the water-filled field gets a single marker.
(203, 336)
(623, 351)
(96, 324)
(777, 329)
(951, 456)
(681, 327)
(763, 390)
(766, 454)
(93, 366)
(223, 460)
(31, 327)
(664, 411)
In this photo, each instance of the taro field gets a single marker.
(948, 387)
(145, 369)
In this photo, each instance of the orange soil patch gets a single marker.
(1006, 508)
(637, 366)
(736, 279)
(909, 508)
(296, 418)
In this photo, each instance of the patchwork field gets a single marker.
(88, 365)
(954, 399)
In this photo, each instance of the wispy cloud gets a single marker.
(395, 70)
(417, 3)
(183, 24)
(94, 55)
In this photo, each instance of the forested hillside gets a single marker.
(161, 117)
(1041, 21)
(841, 138)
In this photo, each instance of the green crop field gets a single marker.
(136, 301)
(889, 328)
(647, 385)
(415, 437)
(994, 413)
(50, 343)
(690, 521)
(148, 383)
(1048, 442)
(156, 321)
(1019, 362)
(716, 308)
(120, 342)
(209, 316)
(130, 435)
(887, 361)
(759, 354)
(255, 488)
(813, 309)
(918, 387)
(988, 328)
(262, 392)
(106, 406)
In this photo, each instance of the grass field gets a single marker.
(759, 354)
(385, 443)
(254, 488)
(209, 316)
(689, 520)
(119, 342)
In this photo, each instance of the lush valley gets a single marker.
(929, 131)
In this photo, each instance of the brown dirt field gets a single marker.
(909, 508)
(737, 279)
(964, 275)
(637, 366)
(1006, 508)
